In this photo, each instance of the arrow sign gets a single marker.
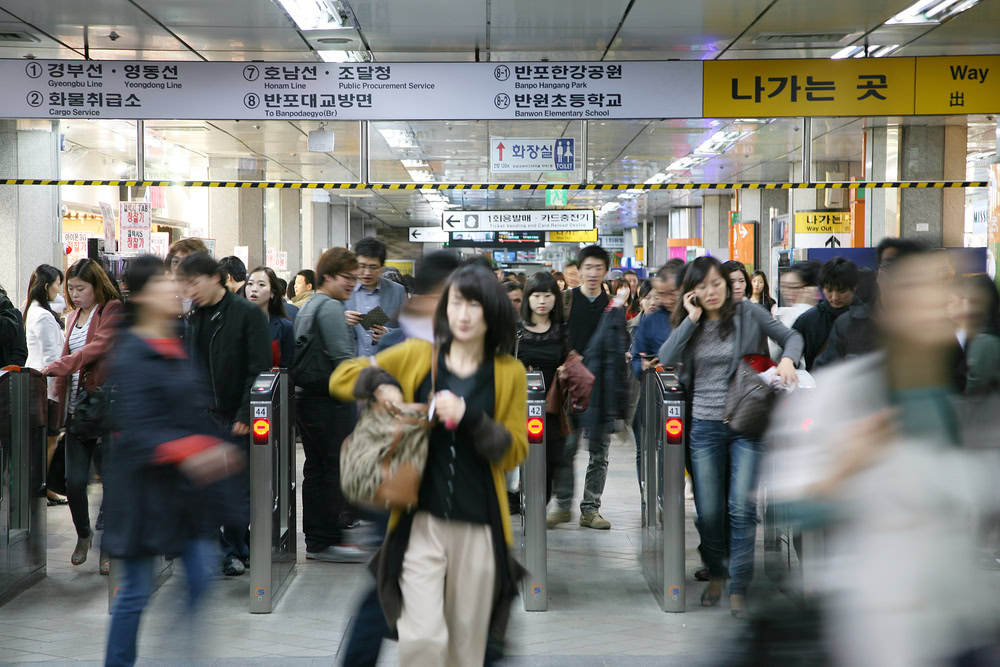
(428, 235)
(452, 222)
(743, 232)
(500, 148)
(832, 242)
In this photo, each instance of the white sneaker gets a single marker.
(688, 489)
(339, 554)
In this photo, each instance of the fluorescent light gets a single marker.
(885, 50)
(931, 11)
(658, 178)
(415, 164)
(313, 14)
(337, 56)
(847, 52)
(398, 138)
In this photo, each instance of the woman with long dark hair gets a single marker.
(81, 370)
(739, 280)
(979, 322)
(712, 333)
(44, 333)
(543, 345)
(760, 292)
(446, 573)
(166, 453)
(264, 289)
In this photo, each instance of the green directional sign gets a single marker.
(556, 197)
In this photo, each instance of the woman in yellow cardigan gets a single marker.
(446, 574)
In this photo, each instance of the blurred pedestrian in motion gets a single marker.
(711, 335)
(648, 300)
(446, 572)
(978, 318)
(760, 292)
(323, 421)
(263, 289)
(163, 458)
(571, 273)
(890, 464)
(543, 345)
(45, 339)
(80, 372)
(739, 280)
(228, 341)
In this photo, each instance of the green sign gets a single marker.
(556, 197)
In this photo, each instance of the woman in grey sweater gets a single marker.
(710, 336)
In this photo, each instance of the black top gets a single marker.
(584, 317)
(815, 325)
(204, 341)
(458, 483)
(543, 352)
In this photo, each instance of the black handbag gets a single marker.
(90, 419)
(311, 367)
(749, 402)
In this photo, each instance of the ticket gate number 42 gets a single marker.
(534, 411)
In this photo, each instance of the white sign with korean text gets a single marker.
(428, 235)
(108, 214)
(135, 219)
(76, 242)
(558, 154)
(271, 258)
(350, 91)
(281, 260)
(506, 221)
(160, 244)
(611, 242)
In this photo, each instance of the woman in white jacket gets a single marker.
(44, 332)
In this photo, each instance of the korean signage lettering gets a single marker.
(76, 243)
(588, 236)
(135, 219)
(517, 220)
(349, 91)
(812, 87)
(822, 229)
(612, 242)
(956, 85)
(532, 154)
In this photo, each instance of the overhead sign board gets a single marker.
(958, 84)
(612, 242)
(809, 87)
(556, 197)
(822, 229)
(135, 219)
(496, 239)
(533, 155)
(491, 221)
(588, 236)
(427, 235)
(349, 91)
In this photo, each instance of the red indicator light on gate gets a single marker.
(536, 429)
(675, 429)
(261, 429)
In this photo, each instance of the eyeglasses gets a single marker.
(368, 267)
(348, 277)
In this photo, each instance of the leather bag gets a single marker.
(750, 400)
(90, 419)
(382, 461)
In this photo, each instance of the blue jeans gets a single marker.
(138, 586)
(719, 456)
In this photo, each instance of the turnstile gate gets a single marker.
(272, 490)
(23, 415)
(662, 465)
(533, 536)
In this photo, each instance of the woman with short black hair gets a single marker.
(446, 573)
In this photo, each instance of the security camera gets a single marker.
(114, 36)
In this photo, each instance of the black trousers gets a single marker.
(79, 454)
(323, 424)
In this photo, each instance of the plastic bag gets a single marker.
(770, 376)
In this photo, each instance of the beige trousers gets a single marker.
(448, 584)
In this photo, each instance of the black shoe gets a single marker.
(350, 524)
(702, 575)
(233, 567)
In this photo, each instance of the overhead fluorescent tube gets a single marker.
(931, 11)
(885, 50)
(313, 14)
(847, 52)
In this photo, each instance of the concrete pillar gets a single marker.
(236, 215)
(659, 231)
(30, 218)
(933, 215)
(882, 164)
(290, 203)
(715, 224)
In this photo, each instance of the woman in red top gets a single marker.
(90, 331)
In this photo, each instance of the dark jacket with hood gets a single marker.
(852, 335)
(240, 349)
(605, 358)
(160, 417)
(13, 344)
(815, 325)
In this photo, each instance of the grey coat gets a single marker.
(752, 325)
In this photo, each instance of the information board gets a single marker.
(517, 220)
(135, 219)
(349, 91)
(958, 84)
(532, 155)
(588, 236)
(822, 229)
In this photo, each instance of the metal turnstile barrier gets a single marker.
(533, 473)
(272, 490)
(662, 463)
(782, 538)
(23, 463)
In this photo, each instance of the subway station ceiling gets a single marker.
(493, 31)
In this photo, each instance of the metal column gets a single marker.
(272, 491)
(662, 459)
(536, 589)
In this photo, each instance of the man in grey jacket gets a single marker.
(372, 291)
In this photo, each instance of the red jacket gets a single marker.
(93, 354)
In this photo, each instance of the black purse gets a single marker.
(749, 402)
(90, 420)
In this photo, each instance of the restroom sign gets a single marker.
(556, 154)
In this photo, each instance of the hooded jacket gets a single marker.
(815, 325)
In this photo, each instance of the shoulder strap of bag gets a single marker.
(434, 368)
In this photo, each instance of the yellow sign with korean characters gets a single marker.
(958, 84)
(586, 236)
(811, 87)
(823, 222)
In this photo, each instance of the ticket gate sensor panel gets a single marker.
(272, 490)
(23, 530)
(662, 464)
(533, 536)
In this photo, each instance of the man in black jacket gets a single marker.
(229, 340)
(13, 345)
(838, 279)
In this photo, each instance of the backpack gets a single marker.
(311, 368)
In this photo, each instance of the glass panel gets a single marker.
(97, 149)
(838, 149)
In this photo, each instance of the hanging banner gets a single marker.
(349, 91)
(135, 219)
(809, 87)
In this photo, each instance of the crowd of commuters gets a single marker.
(180, 354)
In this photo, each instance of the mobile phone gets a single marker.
(695, 302)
